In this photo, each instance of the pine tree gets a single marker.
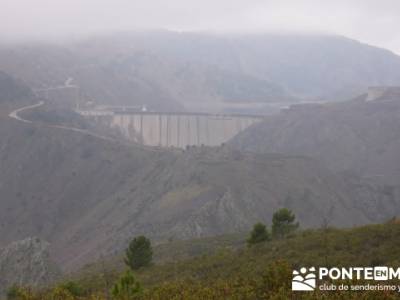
(139, 253)
(283, 223)
(259, 234)
(126, 287)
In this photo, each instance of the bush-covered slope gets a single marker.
(263, 271)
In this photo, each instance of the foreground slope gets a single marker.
(263, 271)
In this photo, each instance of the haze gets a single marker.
(369, 21)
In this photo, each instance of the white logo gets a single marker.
(381, 273)
(305, 280)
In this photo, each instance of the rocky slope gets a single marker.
(26, 263)
(89, 196)
(357, 136)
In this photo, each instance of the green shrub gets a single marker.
(259, 234)
(283, 223)
(127, 287)
(139, 253)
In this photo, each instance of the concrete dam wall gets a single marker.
(175, 129)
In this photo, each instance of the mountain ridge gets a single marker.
(180, 71)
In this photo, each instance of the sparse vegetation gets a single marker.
(13, 292)
(74, 288)
(283, 223)
(262, 272)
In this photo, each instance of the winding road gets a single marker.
(15, 115)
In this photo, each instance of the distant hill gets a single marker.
(356, 136)
(177, 71)
(304, 65)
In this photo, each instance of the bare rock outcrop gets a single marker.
(26, 263)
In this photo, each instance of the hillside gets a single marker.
(261, 272)
(353, 136)
(198, 71)
(12, 92)
(164, 195)
(81, 192)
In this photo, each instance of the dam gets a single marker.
(180, 129)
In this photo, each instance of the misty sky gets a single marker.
(376, 22)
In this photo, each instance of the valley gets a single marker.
(199, 192)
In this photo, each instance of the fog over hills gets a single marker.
(306, 65)
(176, 71)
